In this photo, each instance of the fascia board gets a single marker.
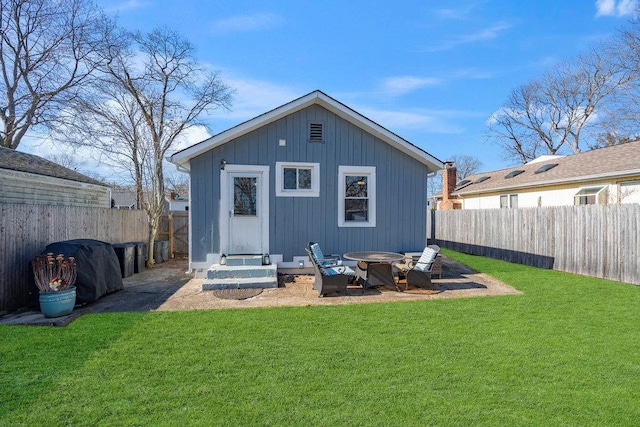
(380, 132)
(183, 157)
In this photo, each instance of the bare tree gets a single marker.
(150, 93)
(65, 160)
(560, 111)
(48, 49)
(465, 165)
(177, 182)
(623, 123)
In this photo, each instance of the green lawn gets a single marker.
(565, 352)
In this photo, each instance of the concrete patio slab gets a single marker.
(168, 286)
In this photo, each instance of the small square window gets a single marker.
(297, 179)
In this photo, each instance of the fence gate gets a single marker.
(175, 227)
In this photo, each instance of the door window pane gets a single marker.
(245, 196)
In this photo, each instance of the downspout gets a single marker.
(432, 232)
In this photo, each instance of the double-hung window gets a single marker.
(297, 179)
(356, 196)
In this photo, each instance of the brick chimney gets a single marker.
(448, 185)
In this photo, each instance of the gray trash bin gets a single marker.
(126, 253)
(140, 259)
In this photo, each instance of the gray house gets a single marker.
(310, 170)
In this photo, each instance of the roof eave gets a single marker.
(616, 174)
(183, 157)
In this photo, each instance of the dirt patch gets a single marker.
(458, 281)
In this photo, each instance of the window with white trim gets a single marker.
(509, 201)
(591, 196)
(297, 179)
(629, 192)
(356, 196)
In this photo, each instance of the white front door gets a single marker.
(247, 194)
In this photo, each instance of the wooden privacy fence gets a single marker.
(594, 240)
(25, 230)
(174, 227)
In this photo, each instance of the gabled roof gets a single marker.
(182, 158)
(23, 162)
(615, 162)
(124, 198)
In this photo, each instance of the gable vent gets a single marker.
(316, 132)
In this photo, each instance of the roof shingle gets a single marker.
(609, 162)
(23, 162)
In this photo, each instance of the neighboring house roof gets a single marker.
(124, 198)
(615, 162)
(182, 158)
(23, 162)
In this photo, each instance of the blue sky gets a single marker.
(430, 71)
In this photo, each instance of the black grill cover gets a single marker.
(97, 264)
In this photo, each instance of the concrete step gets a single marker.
(253, 283)
(237, 260)
(241, 276)
(242, 271)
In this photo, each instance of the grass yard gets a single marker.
(566, 352)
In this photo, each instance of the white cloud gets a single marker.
(406, 122)
(605, 7)
(243, 23)
(626, 7)
(462, 12)
(473, 74)
(615, 8)
(400, 85)
(126, 5)
(189, 137)
(488, 33)
(253, 97)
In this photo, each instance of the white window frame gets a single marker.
(370, 173)
(510, 198)
(315, 180)
(629, 192)
(599, 194)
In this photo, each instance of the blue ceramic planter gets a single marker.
(56, 304)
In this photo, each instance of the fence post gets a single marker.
(171, 253)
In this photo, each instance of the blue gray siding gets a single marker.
(294, 221)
